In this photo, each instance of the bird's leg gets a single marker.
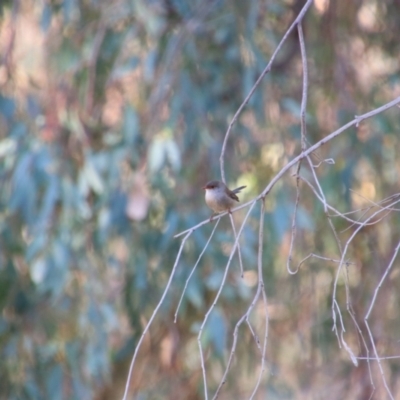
(212, 216)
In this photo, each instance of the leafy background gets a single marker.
(112, 116)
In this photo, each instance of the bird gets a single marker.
(219, 198)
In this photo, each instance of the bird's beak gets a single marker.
(204, 187)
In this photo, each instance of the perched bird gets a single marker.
(219, 198)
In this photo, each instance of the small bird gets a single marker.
(219, 198)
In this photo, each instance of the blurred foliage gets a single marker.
(112, 116)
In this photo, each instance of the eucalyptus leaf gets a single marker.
(217, 331)
(54, 381)
(90, 178)
(131, 125)
(195, 293)
(173, 154)
(7, 107)
(38, 270)
(157, 155)
(112, 118)
(7, 147)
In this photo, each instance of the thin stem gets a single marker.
(145, 330)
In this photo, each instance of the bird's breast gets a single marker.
(218, 201)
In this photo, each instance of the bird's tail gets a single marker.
(237, 190)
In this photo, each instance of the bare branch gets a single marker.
(334, 301)
(238, 248)
(295, 160)
(145, 330)
(253, 89)
(245, 316)
(261, 288)
(303, 144)
(389, 267)
(236, 243)
(194, 268)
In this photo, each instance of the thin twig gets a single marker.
(261, 288)
(194, 268)
(238, 248)
(245, 316)
(340, 214)
(378, 359)
(339, 245)
(303, 145)
(389, 267)
(253, 89)
(334, 302)
(295, 160)
(217, 298)
(312, 255)
(145, 330)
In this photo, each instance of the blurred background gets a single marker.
(112, 117)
